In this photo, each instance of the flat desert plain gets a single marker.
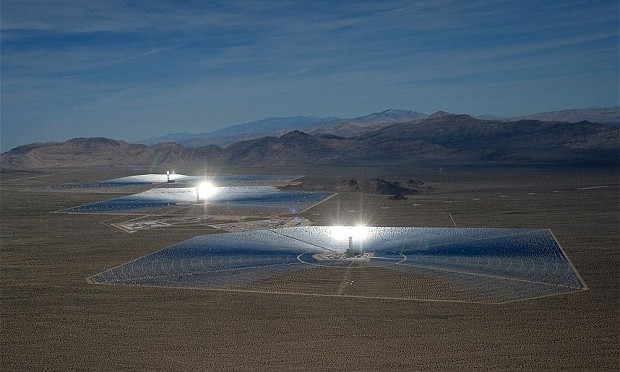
(52, 319)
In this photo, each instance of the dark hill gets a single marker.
(293, 148)
(466, 132)
(91, 152)
(373, 186)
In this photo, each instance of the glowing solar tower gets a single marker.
(354, 252)
(359, 233)
(346, 234)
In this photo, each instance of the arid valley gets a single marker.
(53, 319)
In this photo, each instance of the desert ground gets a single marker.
(52, 319)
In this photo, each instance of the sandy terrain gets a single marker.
(53, 320)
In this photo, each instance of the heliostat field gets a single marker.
(258, 192)
(477, 265)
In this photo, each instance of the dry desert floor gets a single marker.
(52, 319)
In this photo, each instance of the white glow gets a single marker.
(358, 233)
(148, 178)
(205, 190)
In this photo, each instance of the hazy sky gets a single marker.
(136, 69)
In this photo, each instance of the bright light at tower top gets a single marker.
(205, 189)
(343, 233)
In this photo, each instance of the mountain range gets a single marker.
(278, 126)
(440, 137)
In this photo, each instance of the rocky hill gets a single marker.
(97, 151)
(373, 186)
(440, 137)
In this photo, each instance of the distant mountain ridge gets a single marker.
(439, 137)
(278, 126)
(240, 132)
(608, 115)
(387, 116)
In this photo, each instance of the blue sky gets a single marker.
(135, 69)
